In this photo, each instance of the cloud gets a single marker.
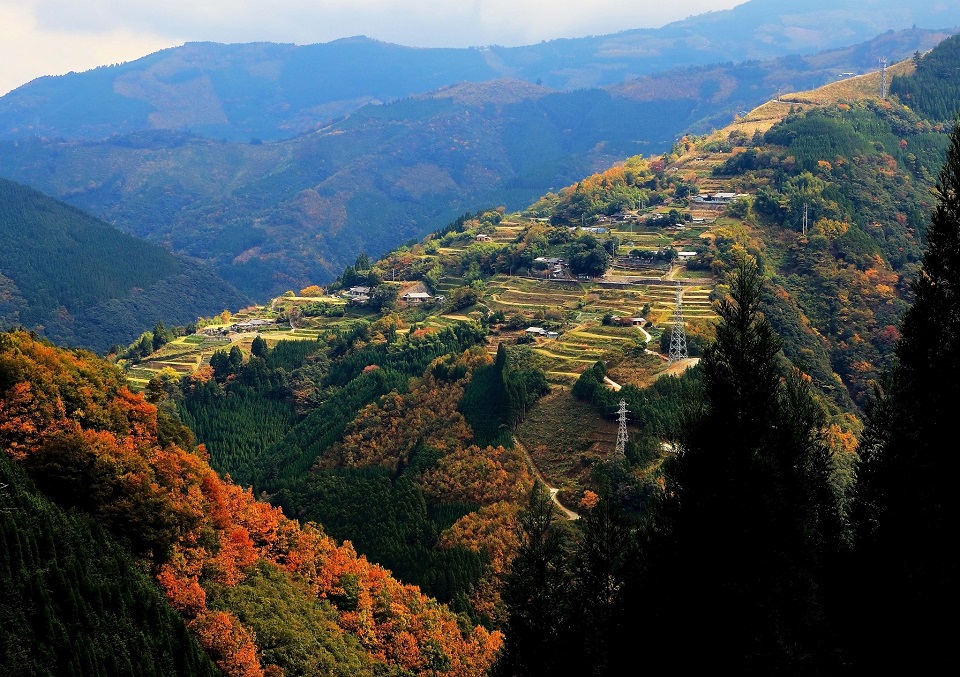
(414, 22)
(40, 37)
(28, 51)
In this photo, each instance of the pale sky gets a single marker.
(52, 37)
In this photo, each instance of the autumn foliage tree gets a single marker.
(70, 421)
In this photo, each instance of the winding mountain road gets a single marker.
(569, 514)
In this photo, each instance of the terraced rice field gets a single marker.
(649, 240)
(187, 354)
(513, 298)
(565, 357)
(587, 341)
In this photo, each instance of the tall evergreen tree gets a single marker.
(603, 564)
(537, 594)
(259, 347)
(748, 521)
(161, 335)
(905, 510)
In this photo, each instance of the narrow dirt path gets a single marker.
(569, 514)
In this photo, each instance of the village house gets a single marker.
(416, 297)
(540, 331)
(719, 198)
(359, 295)
(251, 325)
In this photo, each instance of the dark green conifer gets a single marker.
(536, 595)
(259, 347)
(905, 510)
(748, 521)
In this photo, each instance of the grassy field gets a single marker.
(565, 438)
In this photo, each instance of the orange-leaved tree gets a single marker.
(68, 418)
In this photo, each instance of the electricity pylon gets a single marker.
(678, 333)
(622, 429)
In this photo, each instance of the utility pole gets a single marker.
(883, 77)
(803, 225)
(622, 429)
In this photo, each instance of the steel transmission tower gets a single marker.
(622, 429)
(678, 334)
(883, 77)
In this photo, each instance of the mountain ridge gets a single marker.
(387, 173)
(223, 90)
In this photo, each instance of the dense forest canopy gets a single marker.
(68, 419)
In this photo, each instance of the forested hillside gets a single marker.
(82, 282)
(261, 593)
(448, 416)
(399, 442)
(933, 91)
(74, 601)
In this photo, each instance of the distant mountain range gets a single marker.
(80, 281)
(273, 91)
(281, 215)
(277, 164)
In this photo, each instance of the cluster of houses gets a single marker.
(238, 327)
(555, 264)
(360, 295)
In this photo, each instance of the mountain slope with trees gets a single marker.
(82, 282)
(901, 533)
(743, 517)
(857, 171)
(769, 555)
(261, 593)
(74, 601)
